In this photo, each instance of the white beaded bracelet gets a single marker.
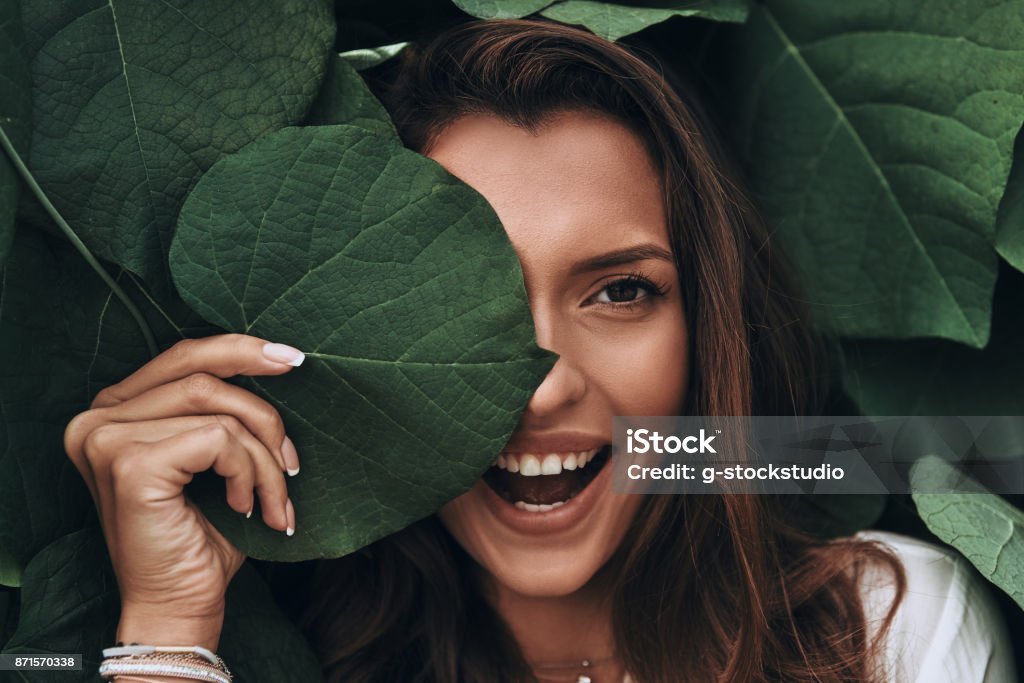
(173, 661)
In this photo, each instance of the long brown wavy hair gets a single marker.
(707, 588)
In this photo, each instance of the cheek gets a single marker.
(642, 368)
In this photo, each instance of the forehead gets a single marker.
(580, 183)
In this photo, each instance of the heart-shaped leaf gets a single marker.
(879, 138)
(400, 285)
(134, 100)
(15, 115)
(613, 21)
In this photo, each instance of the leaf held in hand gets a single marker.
(399, 284)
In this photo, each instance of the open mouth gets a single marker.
(538, 482)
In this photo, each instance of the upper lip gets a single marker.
(554, 442)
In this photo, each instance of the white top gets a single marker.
(948, 628)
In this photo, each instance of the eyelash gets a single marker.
(652, 288)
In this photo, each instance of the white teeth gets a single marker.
(552, 464)
(542, 507)
(529, 466)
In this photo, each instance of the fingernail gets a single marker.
(291, 457)
(282, 353)
(249, 513)
(290, 511)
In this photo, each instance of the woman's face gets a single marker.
(582, 206)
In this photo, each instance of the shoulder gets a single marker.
(947, 627)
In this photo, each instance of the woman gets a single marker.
(650, 275)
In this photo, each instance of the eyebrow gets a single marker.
(641, 252)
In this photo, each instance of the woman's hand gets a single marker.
(141, 442)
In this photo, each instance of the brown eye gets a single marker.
(620, 291)
(627, 290)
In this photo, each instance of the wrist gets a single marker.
(152, 627)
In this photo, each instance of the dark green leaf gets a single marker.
(614, 20)
(71, 604)
(501, 9)
(400, 285)
(15, 117)
(345, 99)
(984, 527)
(879, 138)
(1010, 221)
(70, 338)
(134, 100)
(369, 57)
(940, 377)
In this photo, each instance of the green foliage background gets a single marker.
(190, 145)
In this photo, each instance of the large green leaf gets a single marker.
(1010, 221)
(879, 138)
(134, 100)
(941, 377)
(70, 603)
(68, 337)
(984, 527)
(615, 20)
(345, 99)
(400, 285)
(15, 115)
(501, 9)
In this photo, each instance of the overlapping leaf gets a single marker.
(400, 285)
(67, 338)
(501, 9)
(984, 527)
(345, 99)
(616, 20)
(879, 138)
(15, 115)
(134, 100)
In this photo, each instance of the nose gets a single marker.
(565, 384)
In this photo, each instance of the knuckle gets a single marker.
(181, 350)
(218, 435)
(76, 432)
(268, 415)
(200, 386)
(99, 443)
(233, 425)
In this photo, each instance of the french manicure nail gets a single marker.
(282, 353)
(290, 512)
(291, 457)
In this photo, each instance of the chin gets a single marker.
(545, 531)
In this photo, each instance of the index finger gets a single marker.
(223, 355)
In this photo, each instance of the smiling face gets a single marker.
(582, 206)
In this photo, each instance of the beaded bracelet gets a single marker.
(195, 663)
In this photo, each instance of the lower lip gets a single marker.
(561, 518)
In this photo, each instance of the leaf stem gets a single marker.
(27, 176)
